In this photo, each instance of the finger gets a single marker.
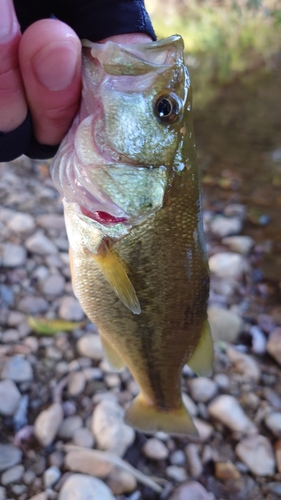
(12, 98)
(50, 61)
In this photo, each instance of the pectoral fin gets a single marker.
(117, 277)
(112, 356)
(201, 362)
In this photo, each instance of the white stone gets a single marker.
(47, 424)
(51, 476)
(40, 496)
(53, 286)
(69, 426)
(70, 309)
(176, 473)
(228, 265)
(2, 493)
(90, 345)
(273, 422)
(191, 490)
(39, 244)
(205, 430)
(21, 223)
(12, 475)
(202, 389)
(83, 437)
(13, 255)
(244, 364)
(194, 461)
(225, 226)
(9, 397)
(17, 369)
(121, 482)
(109, 429)
(76, 383)
(82, 487)
(190, 405)
(86, 462)
(239, 244)
(177, 457)
(155, 449)
(228, 411)
(256, 452)
(225, 325)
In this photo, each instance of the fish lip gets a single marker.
(103, 218)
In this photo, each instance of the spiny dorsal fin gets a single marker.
(117, 277)
(201, 362)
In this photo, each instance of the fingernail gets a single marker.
(6, 18)
(55, 65)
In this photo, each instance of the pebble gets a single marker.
(109, 429)
(86, 462)
(69, 426)
(177, 457)
(13, 255)
(277, 448)
(205, 429)
(274, 344)
(9, 456)
(190, 405)
(40, 496)
(225, 325)
(90, 345)
(33, 305)
(83, 437)
(51, 221)
(51, 476)
(226, 470)
(193, 459)
(10, 336)
(2, 493)
(223, 226)
(53, 286)
(70, 309)
(39, 244)
(239, 244)
(191, 490)
(121, 482)
(227, 410)
(81, 487)
(259, 340)
(47, 424)
(256, 452)
(228, 265)
(21, 223)
(222, 381)
(273, 422)
(12, 475)
(76, 383)
(202, 389)
(17, 369)
(155, 449)
(176, 473)
(244, 364)
(9, 397)
(29, 476)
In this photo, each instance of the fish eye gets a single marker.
(167, 108)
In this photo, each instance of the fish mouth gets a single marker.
(102, 217)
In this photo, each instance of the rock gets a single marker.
(205, 430)
(82, 487)
(40, 496)
(202, 389)
(47, 424)
(121, 482)
(225, 226)
(2, 493)
(76, 383)
(226, 470)
(256, 452)
(274, 344)
(228, 265)
(29, 476)
(109, 429)
(277, 448)
(228, 411)
(83, 437)
(33, 305)
(13, 255)
(194, 461)
(39, 243)
(191, 490)
(176, 473)
(9, 397)
(53, 286)
(274, 487)
(177, 457)
(70, 309)
(12, 475)
(51, 221)
(273, 422)
(190, 405)
(90, 345)
(87, 462)
(239, 244)
(225, 325)
(9, 456)
(222, 381)
(244, 364)
(10, 336)
(17, 369)
(21, 223)
(155, 449)
(51, 476)
(69, 426)
(258, 340)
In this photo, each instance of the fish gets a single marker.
(128, 176)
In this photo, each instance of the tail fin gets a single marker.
(147, 418)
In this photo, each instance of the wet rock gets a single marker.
(225, 226)
(194, 461)
(274, 344)
(155, 449)
(256, 452)
(12, 255)
(17, 369)
(239, 244)
(90, 345)
(109, 429)
(9, 397)
(33, 305)
(202, 389)
(76, 383)
(176, 473)
(12, 475)
(273, 422)
(70, 309)
(69, 426)
(51, 476)
(21, 223)
(53, 286)
(47, 424)
(121, 482)
(226, 470)
(81, 487)
(83, 437)
(228, 411)
(86, 462)
(9, 456)
(244, 364)
(191, 490)
(228, 265)
(39, 244)
(225, 325)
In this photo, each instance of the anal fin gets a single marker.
(201, 362)
(113, 358)
(117, 277)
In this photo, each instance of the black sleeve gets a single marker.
(92, 19)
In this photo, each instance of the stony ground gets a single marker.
(62, 434)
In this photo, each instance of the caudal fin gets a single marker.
(150, 419)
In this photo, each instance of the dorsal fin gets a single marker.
(117, 277)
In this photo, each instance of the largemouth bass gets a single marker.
(128, 176)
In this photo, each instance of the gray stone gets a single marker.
(2, 493)
(228, 411)
(239, 244)
(274, 344)
(256, 452)
(121, 482)
(10, 336)
(9, 456)
(76, 383)
(13, 255)
(69, 426)
(205, 430)
(82, 487)
(53, 286)
(90, 345)
(40, 496)
(86, 462)
(39, 244)
(194, 461)
(29, 476)
(17, 369)
(273, 422)
(9, 397)
(244, 364)
(176, 473)
(223, 226)
(70, 309)
(21, 223)
(228, 265)
(47, 424)
(83, 437)
(191, 490)
(33, 305)
(189, 404)
(155, 449)
(177, 457)
(12, 475)
(51, 221)
(202, 389)
(225, 324)
(51, 476)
